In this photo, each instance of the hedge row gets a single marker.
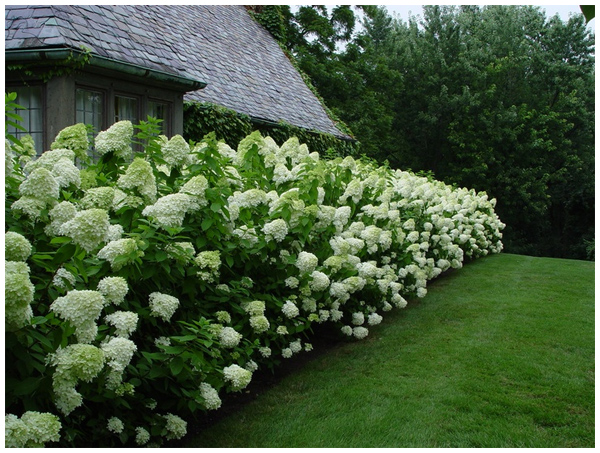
(142, 287)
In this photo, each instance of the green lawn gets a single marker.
(498, 354)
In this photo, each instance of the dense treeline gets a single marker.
(499, 98)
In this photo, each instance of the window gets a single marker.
(89, 108)
(160, 110)
(30, 98)
(126, 108)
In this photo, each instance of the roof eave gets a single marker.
(50, 55)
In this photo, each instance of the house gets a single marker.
(101, 64)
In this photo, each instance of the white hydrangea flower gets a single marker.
(229, 337)
(88, 228)
(237, 376)
(115, 232)
(176, 427)
(30, 206)
(139, 176)
(296, 346)
(290, 310)
(62, 277)
(358, 318)
(32, 430)
(259, 323)
(265, 351)
(292, 282)
(76, 362)
(41, 185)
(209, 262)
(223, 317)
(115, 425)
(120, 248)
(170, 210)
(125, 322)
(66, 173)
(142, 436)
(210, 396)
(60, 214)
(360, 332)
(286, 353)
(16, 247)
(176, 151)
(276, 229)
(282, 330)
(255, 308)
(162, 341)
(306, 262)
(81, 309)
(374, 319)
(163, 305)
(117, 139)
(114, 289)
(118, 352)
(346, 330)
(341, 217)
(18, 294)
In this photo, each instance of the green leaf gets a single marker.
(206, 223)
(176, 365)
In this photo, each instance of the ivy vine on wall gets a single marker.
(200, 118)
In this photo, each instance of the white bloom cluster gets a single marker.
(62, 278)
(229, 337)
(115, 425)
(163, 305)
(320, 281)
(116, 139)
(120, 252)
(81, 309)
(88, 229)
(196, 187)
(276, 229)
(183, 252)
(118, 352)
(289, 309)
(99, 198)
(18, 294)
(60, 214)
(170, 210)
(16, 247)
(176, 151)
(139, 177)
(176, 427)
(209, 262)
(142, 436)
(237, 376)
(210, 396)
(32, 430)
(114, 289)
(125, 322)
(74, 138)
(306, 262)
(76, 362)
(223, 317)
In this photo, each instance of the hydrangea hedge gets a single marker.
(142, 287)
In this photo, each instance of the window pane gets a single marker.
(30, 98)
(159, 110)
(126, 109)
(89, 108)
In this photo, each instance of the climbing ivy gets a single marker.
(200, 118)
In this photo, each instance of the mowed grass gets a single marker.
(498, 354)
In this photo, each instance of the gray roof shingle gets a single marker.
(243, 66)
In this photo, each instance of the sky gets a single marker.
(403, 11)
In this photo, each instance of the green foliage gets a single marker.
(499, 98)
(47, 70)
(445, 372)
(149, 281)
(230, 126)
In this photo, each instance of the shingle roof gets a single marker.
(221, 45)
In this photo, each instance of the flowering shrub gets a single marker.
(165, 278)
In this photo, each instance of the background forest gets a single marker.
(499, 99)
